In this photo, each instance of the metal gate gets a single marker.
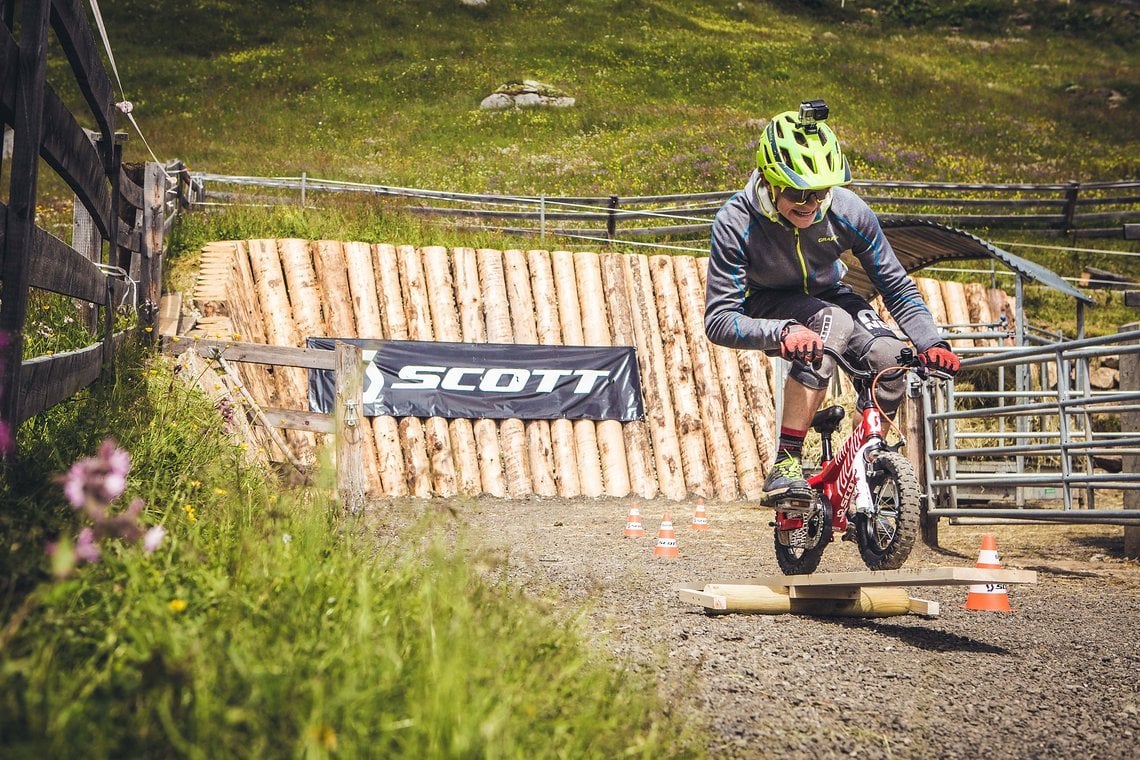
(1023, 435)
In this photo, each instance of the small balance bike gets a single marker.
(867, 492)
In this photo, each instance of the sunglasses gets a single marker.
(804, 197)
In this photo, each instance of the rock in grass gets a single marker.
(526, 94)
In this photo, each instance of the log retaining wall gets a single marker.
(709, 426)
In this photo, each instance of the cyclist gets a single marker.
(775, 279)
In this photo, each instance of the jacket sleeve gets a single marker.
(900, 294)
(726, 322)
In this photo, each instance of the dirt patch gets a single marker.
(1057, 677)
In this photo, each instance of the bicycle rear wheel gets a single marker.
(887, 534)
(799, 551)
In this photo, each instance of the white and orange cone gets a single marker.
(991, 597)
(633, 526)
(700, 517)
(666, 538)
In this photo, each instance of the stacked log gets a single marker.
(386, 429)
(334, 292)
(497, 311)
(596, 332)
(749, 388)
(486, 432)
(957, 312)
(426, 440)
(249, 325)
(281, 330)
(722, 465)
(639, 454)
(654, 379)
(678, 367)
(447, 316)
(570, 320)
(549, 330)
(978, 305)
(540, 451)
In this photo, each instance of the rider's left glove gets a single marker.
(941, 358)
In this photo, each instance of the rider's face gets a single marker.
(799, 207)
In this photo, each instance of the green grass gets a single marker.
(269, 624)
(669, 93)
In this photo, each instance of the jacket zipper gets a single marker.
(803, 262)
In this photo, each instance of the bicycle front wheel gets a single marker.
(887, 534)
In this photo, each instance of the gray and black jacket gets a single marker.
(750, 253)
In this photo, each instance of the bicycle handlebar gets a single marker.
(908, 361)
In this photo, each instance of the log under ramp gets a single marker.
(709, 414)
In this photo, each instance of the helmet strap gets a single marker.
(766, 199)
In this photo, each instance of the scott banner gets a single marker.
(411, 378)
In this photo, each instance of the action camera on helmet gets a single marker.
(811, 113)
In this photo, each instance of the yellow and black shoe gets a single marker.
(787, 475)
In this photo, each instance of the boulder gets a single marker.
(526, 94)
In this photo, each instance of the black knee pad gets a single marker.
(835, 326)
(879, 353)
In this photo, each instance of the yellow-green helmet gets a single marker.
(801, 154)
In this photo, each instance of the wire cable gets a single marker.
(124, 105)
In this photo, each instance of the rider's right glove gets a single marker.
(802, 343)
(940, 357)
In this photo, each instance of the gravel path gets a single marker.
(1059, 677)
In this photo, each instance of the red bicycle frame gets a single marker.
(842, 478)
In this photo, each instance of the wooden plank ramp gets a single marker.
(870, 593)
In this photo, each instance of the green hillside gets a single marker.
(670, 97)
(669, 93)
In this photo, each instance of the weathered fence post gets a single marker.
(1070, 210)
(153, 218)
(86, 238)
(349, 416)
(1130, 424)
(611, 220)
(21, 218)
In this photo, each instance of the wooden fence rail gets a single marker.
(1079, 210)
(123, 205)
(346, 421)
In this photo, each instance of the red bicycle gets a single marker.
(867, 492)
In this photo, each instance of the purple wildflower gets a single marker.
(86, 547)
(226, 408)
(153, 539)
(100, 479)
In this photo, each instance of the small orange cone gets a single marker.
(700, 518)
(666, 538)
(991, 597)
(633, 527)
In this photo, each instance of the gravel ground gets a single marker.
(1059, 677)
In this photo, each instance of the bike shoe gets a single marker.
(787, 475)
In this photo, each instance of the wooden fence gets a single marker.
(710, 417)
(125, 205)
(1079, 210)
(344, 423)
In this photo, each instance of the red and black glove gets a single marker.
(801, 343)
(940, 357)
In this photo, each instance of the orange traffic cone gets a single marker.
(666, 538)
(633, 527)
(700, 519)
(988, 596)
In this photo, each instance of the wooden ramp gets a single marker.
(880, 593)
